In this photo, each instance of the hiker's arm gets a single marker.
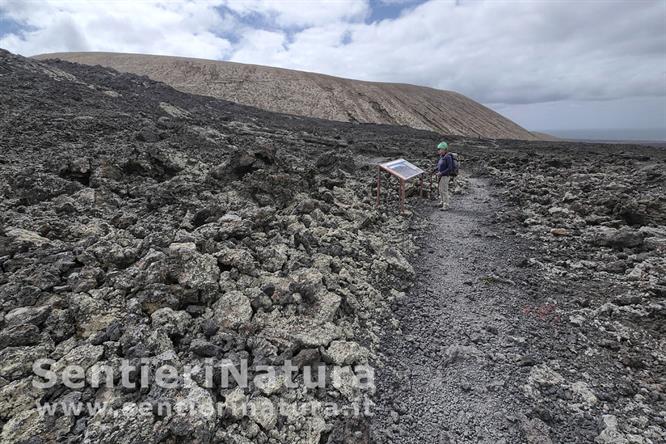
(438, 167)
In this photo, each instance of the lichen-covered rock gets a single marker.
(24, 239)
(84, 355)
(262, 411)
(191, 268)
(126, 425)
(195, 416)
(27, 424)
(175, 323)
(625, 237)
(270, 383)
(232, 309)
(18, 396)
(345, 381)
(236, 404)
(27, 315)
(16, 362)
(19, 335)
(91, 311)
(346, 353)
(610, 433)
(237, 258)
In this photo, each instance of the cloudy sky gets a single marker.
(547, 64)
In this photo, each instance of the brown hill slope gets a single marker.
(315, 95)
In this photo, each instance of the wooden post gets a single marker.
(430, 187)
(421, 186)
(402, 196)
(379, 185)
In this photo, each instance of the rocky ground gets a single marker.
(489, 348)
(593, 221)
(140, 223)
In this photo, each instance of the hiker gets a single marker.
(446, 170)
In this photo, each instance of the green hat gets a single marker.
(443, 146)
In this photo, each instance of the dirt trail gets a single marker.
(447, 375)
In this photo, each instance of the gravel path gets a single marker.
(447, 375)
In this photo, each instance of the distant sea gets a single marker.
(613, 134)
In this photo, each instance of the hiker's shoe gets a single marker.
(444, 208)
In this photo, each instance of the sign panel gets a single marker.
(402, 169)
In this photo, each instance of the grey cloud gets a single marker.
(495, 52)
(72, 36)
(173, 28)
(523, 53)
